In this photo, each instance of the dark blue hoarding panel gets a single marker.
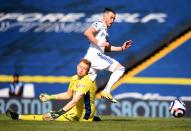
(152, 91)
(125, 107)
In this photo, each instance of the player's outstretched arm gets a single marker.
(62, 96)
(125, 46)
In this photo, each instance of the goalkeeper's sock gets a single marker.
(15, 116)
(31, 117)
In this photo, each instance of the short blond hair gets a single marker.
(86, 61)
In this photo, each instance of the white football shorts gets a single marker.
(100, 61)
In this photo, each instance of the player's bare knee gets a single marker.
(120, 67)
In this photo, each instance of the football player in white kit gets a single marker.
(98, 37)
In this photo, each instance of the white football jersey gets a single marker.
(95, 53)
(101, 36)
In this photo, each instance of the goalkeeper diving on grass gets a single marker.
(80, 108)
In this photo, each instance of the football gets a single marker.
(177, 108)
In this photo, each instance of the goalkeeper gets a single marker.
(80, 108)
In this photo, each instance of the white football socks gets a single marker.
(114, 78)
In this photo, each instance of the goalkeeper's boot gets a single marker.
(96, 118)
(12, 114)
(108, 96)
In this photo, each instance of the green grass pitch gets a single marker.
(108, 123)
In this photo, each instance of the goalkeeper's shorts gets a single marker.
(72, 116)
(68, 116)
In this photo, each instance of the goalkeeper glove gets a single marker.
(56, 114)
(45, 97)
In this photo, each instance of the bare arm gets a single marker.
(125, 46)
(64, 96)
(90, 34)
(55, 114)
(74, 101)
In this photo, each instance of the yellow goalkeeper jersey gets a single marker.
(85, 108)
